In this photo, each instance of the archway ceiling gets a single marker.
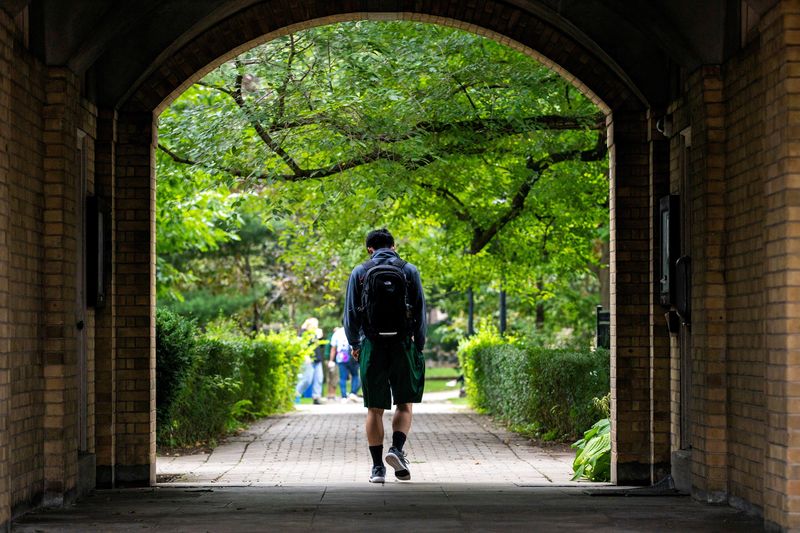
(118, 44)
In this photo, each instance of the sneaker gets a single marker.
(397, 460)
(319, 401)
(378, 474)
(353, 397)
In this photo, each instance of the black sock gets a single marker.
(377, 454)
(398, 439)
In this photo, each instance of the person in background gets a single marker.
(348, 366)
(331, 378)
(312, 367)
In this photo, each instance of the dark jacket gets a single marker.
(416, 299)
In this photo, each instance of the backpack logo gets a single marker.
(384, 300)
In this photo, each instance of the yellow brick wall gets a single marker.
(780, 62)
(744, 275)
(21, 272)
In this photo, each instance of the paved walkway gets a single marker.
(326, 444)
(306, 471)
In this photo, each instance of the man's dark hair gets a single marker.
(379, 238)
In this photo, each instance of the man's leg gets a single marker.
(375, 441)
(375, 427)
(401, 421)
(401, 424)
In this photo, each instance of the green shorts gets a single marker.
(391, 370)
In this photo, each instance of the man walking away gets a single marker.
(384, 321)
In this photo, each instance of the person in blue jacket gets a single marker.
(392, 368)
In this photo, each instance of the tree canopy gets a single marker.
(489, 168)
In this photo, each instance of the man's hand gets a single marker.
(331, 365)
(356, 350)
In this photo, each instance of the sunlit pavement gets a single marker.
(308, 469)
(327, 444)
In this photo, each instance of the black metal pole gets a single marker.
(502, 311)
(470, 312)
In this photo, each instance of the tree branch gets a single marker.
(459, 209)
(482, 236)
(219, 88)
(228, 170)
(305, 174)
(261, 131)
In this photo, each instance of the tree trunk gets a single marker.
(539, 308)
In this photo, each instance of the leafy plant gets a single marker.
(272, 168)
(176, 351)
(548, 392)
(593, 457)
(225, 379)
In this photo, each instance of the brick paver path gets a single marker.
(326, 444)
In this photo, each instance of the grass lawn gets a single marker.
(439, 385)
(442, 372)
(436, 380)
(458, 401)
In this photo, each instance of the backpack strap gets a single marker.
(367, 266)
(399, 263)
(370, 263)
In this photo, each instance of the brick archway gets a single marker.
(80, 81)
(638, 455)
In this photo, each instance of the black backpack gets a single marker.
(384, 309)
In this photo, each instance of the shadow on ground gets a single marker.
(392, 507)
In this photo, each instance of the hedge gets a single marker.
(546, 392)
(208, 384)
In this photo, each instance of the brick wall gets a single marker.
(659, 339)
(21, 274)
(744, 272)
(629, 165)
(60, 288)
(105, 338)
(135, 300)
(780, 60)
(742, 202)
(40, 113)
(706, 215)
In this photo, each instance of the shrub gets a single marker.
(229, 379)
(472, 353)
(548, 392)
(175, 353)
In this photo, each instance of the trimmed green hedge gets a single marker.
(541, 391)
(208, 384)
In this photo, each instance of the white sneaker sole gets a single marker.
(394, 461)
(377, 479)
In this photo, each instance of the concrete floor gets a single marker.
(395, 507)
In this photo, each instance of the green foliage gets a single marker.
(204, 305)
(176, 349)
(593, 457)
(477, 157)
(229, 379)
(472, 356)
(548, 392)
